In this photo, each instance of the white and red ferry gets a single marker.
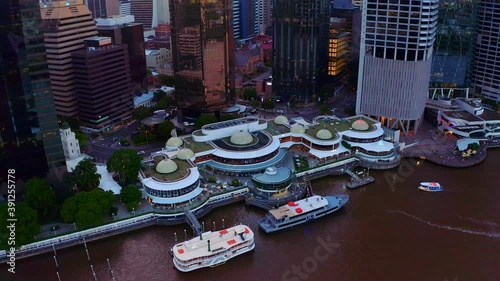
(213, 248)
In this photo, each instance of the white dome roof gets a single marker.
(174, 141)
(324, 134)
(360, 125)
(185, 154)
(298, 129)
(166, 166)
(280, 120)
(241, 138)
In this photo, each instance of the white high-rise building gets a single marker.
(486, 71)
(395, 60)
(262, 15)
(70, 143)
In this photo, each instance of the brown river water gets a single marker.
(385, 232)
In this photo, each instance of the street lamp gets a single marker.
(146, 132)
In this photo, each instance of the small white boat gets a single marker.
(430, 186)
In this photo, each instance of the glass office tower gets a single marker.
(300, 47)
(203, 52)
(29, 134)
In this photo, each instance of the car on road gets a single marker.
(141, 152)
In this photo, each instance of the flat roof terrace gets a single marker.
(196, 147)
(464, 115)
(335, 125)
(260, 140)
(275, 129)
(229, 123)
(149, 169)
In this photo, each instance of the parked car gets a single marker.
(141, 152)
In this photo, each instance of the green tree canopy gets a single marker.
(131, 196)
(40, 196)
(255, 103)
(204, 120)
(26, 225)
(268, 104)
(164, 130)
(126, 163)
(166, 80)
(249, 93)
(85, 175)
(324, 110)
(87, 209)
(141, 112)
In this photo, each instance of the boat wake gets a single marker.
(488, 234)
(490, 223)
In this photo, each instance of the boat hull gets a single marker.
(429, 189)
(331, 208)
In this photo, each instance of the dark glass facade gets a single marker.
(300, 47)
(132, 35)
(454, 45)
(29, 133)
(203, 52)
(102, 79)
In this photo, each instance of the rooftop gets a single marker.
(335, 125)
(299, 207)
(196, 147)
(273, 175)
(219, 240)
(150, 169)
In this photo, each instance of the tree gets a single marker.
(141, 112)
(324, 110)
(40, 196)
(126, 164)
(164, 129)
(254, 103)
(227, 117)
(131, 196)
(85, 175)
(83, 138)
(87, 209)
(205, 120)
(249, 94)
(26, 226)
(268, 104)
(166, 80)
(350, 111)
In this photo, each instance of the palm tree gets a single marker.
(85, 176)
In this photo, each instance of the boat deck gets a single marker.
(299, 207)
(219, 240)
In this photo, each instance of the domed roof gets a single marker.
(241, 138)
(185, 154)
(360, 125)
(298, 129)
(280, 120)
(166, 166)
(65, 125)
(174, 141)
(324, 134)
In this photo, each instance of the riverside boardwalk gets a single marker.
(439, 148)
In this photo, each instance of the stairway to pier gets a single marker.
(192, 221)
(353, 175)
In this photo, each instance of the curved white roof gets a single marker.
(324, 134)
(178, 199)
(174, 141)
(241, 138)
(280, 120)
(274, 145)
(185, 154)
(166, 166)
(364, 135)
(380, 146)
(193, 176)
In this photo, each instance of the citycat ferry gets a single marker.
(213, 248)
(295, 213)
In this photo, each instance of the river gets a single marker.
(385, 232)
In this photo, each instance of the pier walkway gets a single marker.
(192, 221)
(357, 181)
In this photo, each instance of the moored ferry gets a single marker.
(295, 213)
(430, 186)
(213, 248)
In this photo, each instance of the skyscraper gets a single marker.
(66, 25)
(102, 82)
(263, 14)
(300, 47)
(103, 8)
(203, 52)
(454, 46)
(150, 12)
(29, 134)
(486, 73)
(395, 60)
